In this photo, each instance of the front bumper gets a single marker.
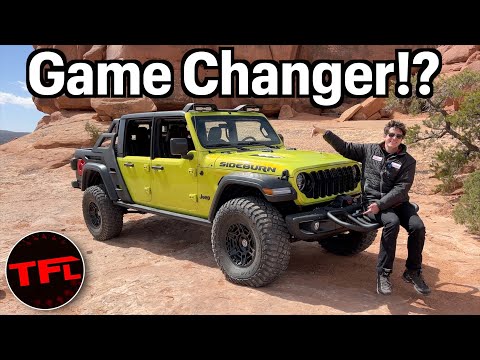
(328, 221)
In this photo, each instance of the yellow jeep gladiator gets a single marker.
(228, 169)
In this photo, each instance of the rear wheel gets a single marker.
(103, 218)
(250, 241)
(350, 243)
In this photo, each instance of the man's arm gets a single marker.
(349, 150)
(399, 192)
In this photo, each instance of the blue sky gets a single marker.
(17, 110)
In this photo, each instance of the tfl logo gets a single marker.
(45, 270)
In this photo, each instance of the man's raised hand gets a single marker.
(317, 130)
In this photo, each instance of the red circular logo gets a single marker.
(45, 270)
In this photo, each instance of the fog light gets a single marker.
(316, 225)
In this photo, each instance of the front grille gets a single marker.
(330, 182)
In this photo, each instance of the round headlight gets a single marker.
(301, 181)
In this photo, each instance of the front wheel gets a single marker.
(349, 243)
(103, 218)
(250, 241)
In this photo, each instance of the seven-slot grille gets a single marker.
(330, 182)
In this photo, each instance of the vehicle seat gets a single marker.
(142, 142)
(202, 134)
(173, 132)
(185, 134)
(215, 136)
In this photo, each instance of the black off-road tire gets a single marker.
(104, 219)
(250, 241)
(350, 243)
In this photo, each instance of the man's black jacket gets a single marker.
(386, 178)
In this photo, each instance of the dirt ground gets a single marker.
(163, 266)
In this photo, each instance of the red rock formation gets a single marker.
(63, 129)
(46, 106)
(456, 58)
(174, 54)
(111, 108)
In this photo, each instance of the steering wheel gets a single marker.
(249, 137)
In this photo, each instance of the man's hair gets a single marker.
(395, 124)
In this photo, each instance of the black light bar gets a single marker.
(200, 107)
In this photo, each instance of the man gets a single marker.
(387, 176)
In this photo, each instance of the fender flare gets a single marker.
(254, 180)
(91, 168)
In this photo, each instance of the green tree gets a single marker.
(467, 210)
(462, 125)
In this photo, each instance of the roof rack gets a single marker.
(248, 107)
(213, 107)
(200, 107)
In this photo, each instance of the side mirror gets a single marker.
(179, 146)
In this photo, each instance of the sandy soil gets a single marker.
(162, 266)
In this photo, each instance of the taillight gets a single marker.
(80, 165)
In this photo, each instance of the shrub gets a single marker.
(446, 164)
(93, 131)
(412, 105)
(463, 125)
(467, 211)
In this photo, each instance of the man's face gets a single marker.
(394, 138)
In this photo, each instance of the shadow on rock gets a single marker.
(348, 284)
(169, 237)
(314, 276)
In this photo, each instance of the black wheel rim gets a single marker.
(240, 245)
(93, 213)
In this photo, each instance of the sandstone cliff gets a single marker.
(457, 58)
(62, 129)
(107, 108)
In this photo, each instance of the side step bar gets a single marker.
(165, 213)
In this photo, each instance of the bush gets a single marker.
(446, 164)
(467, 211)
(412, 105)
(463, 126)
(93, 131)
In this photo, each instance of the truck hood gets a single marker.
(278, 160)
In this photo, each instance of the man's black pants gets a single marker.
(406, 216)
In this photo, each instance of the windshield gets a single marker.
(234, 131)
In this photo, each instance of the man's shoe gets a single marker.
(384, 285)
(415, 277)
